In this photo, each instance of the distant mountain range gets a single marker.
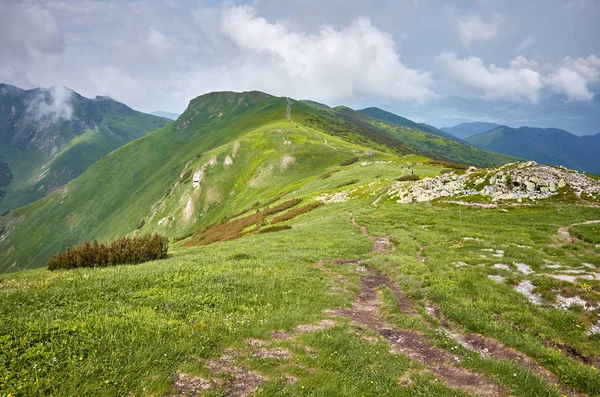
(544, 145)
(50, 136)
(579, 118)
(166, 115)
(465, 130)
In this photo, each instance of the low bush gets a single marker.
(275, 228)
(351, 160)
(126, 250)
(352, 182)
(295, 212)
(328, 174)
(412, 177)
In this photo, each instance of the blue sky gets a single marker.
(158, 55)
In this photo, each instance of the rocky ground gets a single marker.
(515, 181)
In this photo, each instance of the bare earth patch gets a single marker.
(187, 385)
(241, 382)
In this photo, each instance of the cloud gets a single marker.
(573, 77)
(525, 44)
(474, 29)
(51, 103)
(524, 78)
(330, 64)
(517, 82)
(31, 44)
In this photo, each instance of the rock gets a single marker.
(561, 183)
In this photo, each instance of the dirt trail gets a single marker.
(566, 234)
(288, 115)
(381, 245)
(365, 313)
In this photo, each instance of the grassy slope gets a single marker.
(392, 118)
(98, 127)
(434, 145)
(131, 329)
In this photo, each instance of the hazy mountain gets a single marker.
(465, 130)
(544, 145)
(50, 136)
(166, 115)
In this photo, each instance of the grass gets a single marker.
(131, 329)
(589, 232)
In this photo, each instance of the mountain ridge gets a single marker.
(49, 136)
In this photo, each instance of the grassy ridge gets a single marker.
(140, 184)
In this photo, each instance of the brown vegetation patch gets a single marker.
(328, 174)
(350, 161)
(230, 230)
(296, 211)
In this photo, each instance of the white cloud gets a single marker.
(517, 82)
(526, 43)
(329, 65)
(524, 79)
(474, 29)
(573, 77)
(53, 103)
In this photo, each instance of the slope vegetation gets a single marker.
(46, 141)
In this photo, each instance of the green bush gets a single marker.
(126, 250)
(350, 161)
(412, 177)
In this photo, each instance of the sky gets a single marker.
(156, 55)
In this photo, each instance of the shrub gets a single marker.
(275, 228)
(352, 182)
(351, 160)
(328, 174)
(295, 212)
(126, 250)
(412, 177)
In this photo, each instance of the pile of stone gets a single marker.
(515, 181)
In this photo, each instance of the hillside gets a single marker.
(544, 145)
(432, 145)
(226, 153)
(305, 259)
(50, 136)
(392, 118)
(466, 130)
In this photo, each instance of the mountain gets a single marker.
(466, 130)
(304, 258)
(50, 136)
(166, 115)
(226, 152)
(392, 118)
(544, 145)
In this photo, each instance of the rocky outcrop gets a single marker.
(515, 181)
